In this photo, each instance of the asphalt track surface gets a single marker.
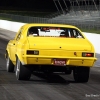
(42, 87)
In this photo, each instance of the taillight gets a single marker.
(85, 54)
(32, 52)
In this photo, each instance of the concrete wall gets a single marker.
(9, 25)
(14, 26)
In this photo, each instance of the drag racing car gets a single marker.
(50, 48)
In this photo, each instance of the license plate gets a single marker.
(60, 62)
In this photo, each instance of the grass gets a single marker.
(97, 31)
(2, 18)
(27, 13)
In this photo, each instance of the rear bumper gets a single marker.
(49, 60)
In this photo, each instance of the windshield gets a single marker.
(54, 32)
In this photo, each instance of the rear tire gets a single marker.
(81, 74)
(9, 65)
(22, 72)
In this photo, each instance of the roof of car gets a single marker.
(47, 24)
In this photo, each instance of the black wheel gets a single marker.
(9, 65)
(81, 74)
(22, 72)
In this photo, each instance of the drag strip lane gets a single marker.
(41, 87)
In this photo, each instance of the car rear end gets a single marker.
(59, 51)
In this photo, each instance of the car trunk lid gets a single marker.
(56, 43)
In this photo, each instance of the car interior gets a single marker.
(62, 32)
(33, 31)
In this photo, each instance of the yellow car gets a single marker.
(50, 48)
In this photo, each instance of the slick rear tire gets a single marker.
(81, 74)
(22, 72)
(9, 65)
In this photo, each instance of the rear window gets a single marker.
(54, 32)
